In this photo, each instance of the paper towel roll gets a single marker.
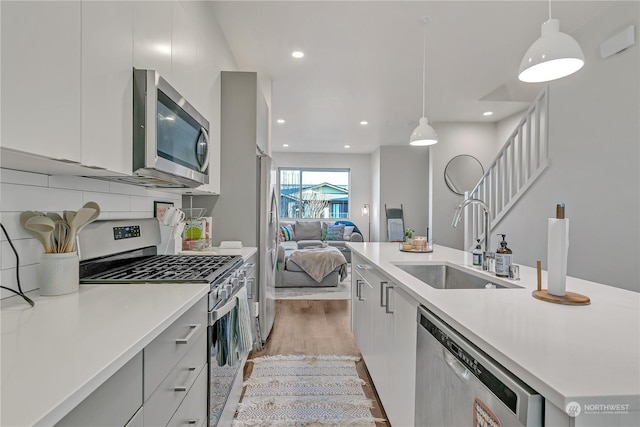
(557, 251)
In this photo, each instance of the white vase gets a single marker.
(59, 273)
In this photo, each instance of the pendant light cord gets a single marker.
(424, 64)
(549, 10)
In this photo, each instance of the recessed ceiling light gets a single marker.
(347, 146)
(487, 113)
(280, 121)
(285, 145)
(364, 122)
(297, 54)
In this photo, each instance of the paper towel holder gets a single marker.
(570, 298)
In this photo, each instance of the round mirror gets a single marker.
(462, 173)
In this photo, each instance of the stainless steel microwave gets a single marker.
(170, 137)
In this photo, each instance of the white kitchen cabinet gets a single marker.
(107, 85)
(184, 41)
(41, 98)
(152, 36)
(400, 406)
(114, 403)
(361, 309)
(384, 325)
(172, 362)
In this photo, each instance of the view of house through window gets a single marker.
(314, 193)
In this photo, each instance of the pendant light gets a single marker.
(424, 134)
(554, 55)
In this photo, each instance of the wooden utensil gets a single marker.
(55, 216)
(60, 236)
(80, 219)
(43, 226)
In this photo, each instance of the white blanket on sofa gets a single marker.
(318, 262)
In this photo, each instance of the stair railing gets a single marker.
(522, 159)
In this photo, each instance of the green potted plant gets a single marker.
(408, 234)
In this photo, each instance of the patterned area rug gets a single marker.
(305, 391)
(342, 291)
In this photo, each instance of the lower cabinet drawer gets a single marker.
(193, 411)
(173, 389)
(162, 354)
(114, 402)
(137, 420)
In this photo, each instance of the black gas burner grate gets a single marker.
(169, 269)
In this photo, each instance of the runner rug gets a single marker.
(298, 390)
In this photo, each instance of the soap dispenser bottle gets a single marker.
(503, 258)
(477, 254)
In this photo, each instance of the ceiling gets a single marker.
(363, 61)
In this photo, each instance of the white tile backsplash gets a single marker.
(18, 198)
(20, 191)
(109, 202)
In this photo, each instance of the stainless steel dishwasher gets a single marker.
(457, 384)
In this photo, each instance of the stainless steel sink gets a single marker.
(442, 276)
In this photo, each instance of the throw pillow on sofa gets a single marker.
(335, 232)
(348, 231)
(286, 233)
(308, 230)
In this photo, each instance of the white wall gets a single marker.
(376, 230)
(358, 164)
(476, 139)
(404, 180)
(22, 191)
(594, 164)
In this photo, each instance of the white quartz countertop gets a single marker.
(246, 252)
(57, 353)
(587, 354)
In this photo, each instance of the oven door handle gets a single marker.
(218, 312)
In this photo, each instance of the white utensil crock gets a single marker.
(59, 273)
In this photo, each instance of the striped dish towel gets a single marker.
(243, 323)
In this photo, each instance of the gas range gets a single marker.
(125, 252)
(164, 268)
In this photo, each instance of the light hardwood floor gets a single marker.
(317, 327)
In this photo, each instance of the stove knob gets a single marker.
(241, 276)
(228, 289)
(234, 283)
(223, 294)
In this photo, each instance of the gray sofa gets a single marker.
(309, 234)
(314, 234)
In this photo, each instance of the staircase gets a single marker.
(519, 163)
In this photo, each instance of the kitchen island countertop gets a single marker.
(57, 353)
(587, 354)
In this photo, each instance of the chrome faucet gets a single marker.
(486, 255)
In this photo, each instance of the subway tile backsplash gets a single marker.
(20, 191)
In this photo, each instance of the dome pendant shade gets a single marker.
(424, 134)
(554, 55)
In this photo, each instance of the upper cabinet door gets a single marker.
(184, 42)
(152, 36)
(107, 85)
(41, 78)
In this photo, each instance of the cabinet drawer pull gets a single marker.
(362, 267)
(185, 340)
(387, 308)
(382, 303)
(180, 388)
(192, 368)
(192, 422)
